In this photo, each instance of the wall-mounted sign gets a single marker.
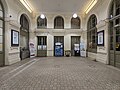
(100, 40)
(14, 38)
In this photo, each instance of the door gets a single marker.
(115, 47)
(75, 45)
(2, 40)
(42, 46)
(59, 46)
(1, 43)
(114, 34)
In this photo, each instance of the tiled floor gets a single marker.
(59, 73)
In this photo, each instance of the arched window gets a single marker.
(59, 22)
(24, 22)
(1, 34)
(114, 33)
(41, 23)
(92, 34)
(75, 23)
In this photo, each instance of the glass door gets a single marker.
(112, 44)
(75, 45)
(42, 46)
(117, 51)
(1, 36)
(115, 44)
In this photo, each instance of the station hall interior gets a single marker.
(59, 44)
(60, 28)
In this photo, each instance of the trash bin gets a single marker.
(67, 53)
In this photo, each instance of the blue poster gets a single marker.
(58, 50)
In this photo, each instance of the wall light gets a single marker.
(74, 15)
(27, 5)
(90, 6)
(42, 16)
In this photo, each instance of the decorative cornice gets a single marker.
(60, 31)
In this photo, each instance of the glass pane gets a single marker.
(118, 43)
(1, 13)
(118, 39)
(0, 7)
(1, 31)
(1, 23)
(1, 47)
(75, 23)
(1, 39)
(59, 23)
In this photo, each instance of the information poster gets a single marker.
(100, 41)
(32, 50)
(14, 38)
(83, 49)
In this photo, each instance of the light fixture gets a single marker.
(27, 5)
(90, 6)
(42, 16)
(74, 15)
(111, 16)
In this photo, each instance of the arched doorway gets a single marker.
(24, 37)
(2, 33)
(114, 33)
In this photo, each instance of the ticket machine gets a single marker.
(58, 49)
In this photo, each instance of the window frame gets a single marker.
(74, 20)
(92, 37)
(41, 23)
(56, 24)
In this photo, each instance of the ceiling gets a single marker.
(69, 6)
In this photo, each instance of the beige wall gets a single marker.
(13, 11)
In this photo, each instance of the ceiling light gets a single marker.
(27, 5)
(42, 16)
(74, 15)
(91, 5)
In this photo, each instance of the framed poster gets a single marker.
(14, 38)
(100, 39)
